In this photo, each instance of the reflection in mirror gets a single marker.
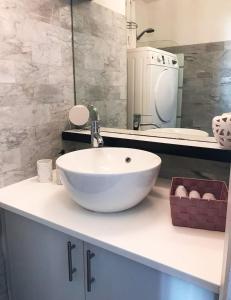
(100, 51)
(159, 66)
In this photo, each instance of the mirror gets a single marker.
(160, 67)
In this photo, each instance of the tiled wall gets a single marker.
(36, 86)
(36, 83)
(101, 61)
(207, 83)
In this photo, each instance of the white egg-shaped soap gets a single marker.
(209, 196)
(181, 191)
(194, 194)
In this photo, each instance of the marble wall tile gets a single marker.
(35, 40)
(7, 71)
(116, 111)
(60, 75)
(47, 54)
(193, 168)
(101, 61)
(48, 93)
(66, 54)
(15, 50)
(17, 116)
(36, 82)
(29, 73)
(15, 94)
(10, 160)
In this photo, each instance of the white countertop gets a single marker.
(144, 234)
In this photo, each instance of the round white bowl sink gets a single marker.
(108, 179)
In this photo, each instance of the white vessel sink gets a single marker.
(108, 179)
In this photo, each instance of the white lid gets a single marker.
(79, 115)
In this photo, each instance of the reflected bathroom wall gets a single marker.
(100, 53)
(207, 83)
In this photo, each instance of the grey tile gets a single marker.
(101, 61)
(227, 45)
(7, 71)
(10, 160)
(15, 50)
(204, 74)
(48, 54)
(36, 83)
(193, 168)
(116, 111)
(15, 94)
(48, 93)
(29, 73)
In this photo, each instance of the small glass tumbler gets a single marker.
(44, 169)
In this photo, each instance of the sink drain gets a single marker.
(128, 159)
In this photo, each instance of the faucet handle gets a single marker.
(136, 121)
(94, 114)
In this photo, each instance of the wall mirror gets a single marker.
(160, 67)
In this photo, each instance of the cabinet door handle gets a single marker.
(90, 279)
(71, 270)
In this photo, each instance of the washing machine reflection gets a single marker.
(152, 88)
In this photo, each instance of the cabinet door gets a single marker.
(38, 261)
(112, 277)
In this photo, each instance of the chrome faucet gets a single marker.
(137, 122)
(96, 138)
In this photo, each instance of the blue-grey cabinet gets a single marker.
(42, 263)
(111, 277)
(45, 264)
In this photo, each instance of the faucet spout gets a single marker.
(99, 139)
(96, 138)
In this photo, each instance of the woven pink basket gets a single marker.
(199, 213)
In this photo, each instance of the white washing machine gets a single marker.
(152, 87)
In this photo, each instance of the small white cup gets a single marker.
(44, 169)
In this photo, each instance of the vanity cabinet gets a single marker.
(115, 277)
(112, 277)
(39, 261)
(45, 264)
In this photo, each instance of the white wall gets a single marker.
(185, 22)
(115, 5)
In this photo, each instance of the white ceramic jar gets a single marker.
(222, 130)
